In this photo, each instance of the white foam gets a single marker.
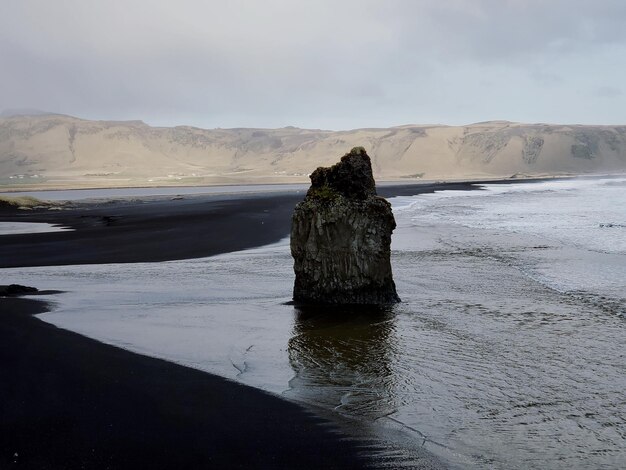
(583, 220)
(586, 213)
(18, 228)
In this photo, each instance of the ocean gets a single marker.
(507, 351)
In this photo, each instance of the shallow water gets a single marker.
(18, 228)
(506, 352)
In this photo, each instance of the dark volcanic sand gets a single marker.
(160, 229)
(69, 402)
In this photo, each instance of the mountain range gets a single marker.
(51, 150)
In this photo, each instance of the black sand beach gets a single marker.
(67, 401)
(160, 229)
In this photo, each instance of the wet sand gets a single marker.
(67, 401)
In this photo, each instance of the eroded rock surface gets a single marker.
(341, 237)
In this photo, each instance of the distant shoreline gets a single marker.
(9, 190)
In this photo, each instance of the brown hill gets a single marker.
(63, 151)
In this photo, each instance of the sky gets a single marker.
(339, 64)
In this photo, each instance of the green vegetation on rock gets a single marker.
(324, 194)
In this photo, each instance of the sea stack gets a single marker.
(341, 237)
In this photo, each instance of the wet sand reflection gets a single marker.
(342, 356)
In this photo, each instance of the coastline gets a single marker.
(87, 403)
(11, 189)
(163, 228)
(219, 323)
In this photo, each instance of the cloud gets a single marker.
(325, 63)
(504, 31)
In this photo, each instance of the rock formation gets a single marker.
(341, 237)
(14, 290)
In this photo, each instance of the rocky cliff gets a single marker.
(341, 237)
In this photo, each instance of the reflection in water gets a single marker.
(342, 357)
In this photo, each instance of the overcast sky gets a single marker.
(336, 64)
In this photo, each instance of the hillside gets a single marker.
(63, 151)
